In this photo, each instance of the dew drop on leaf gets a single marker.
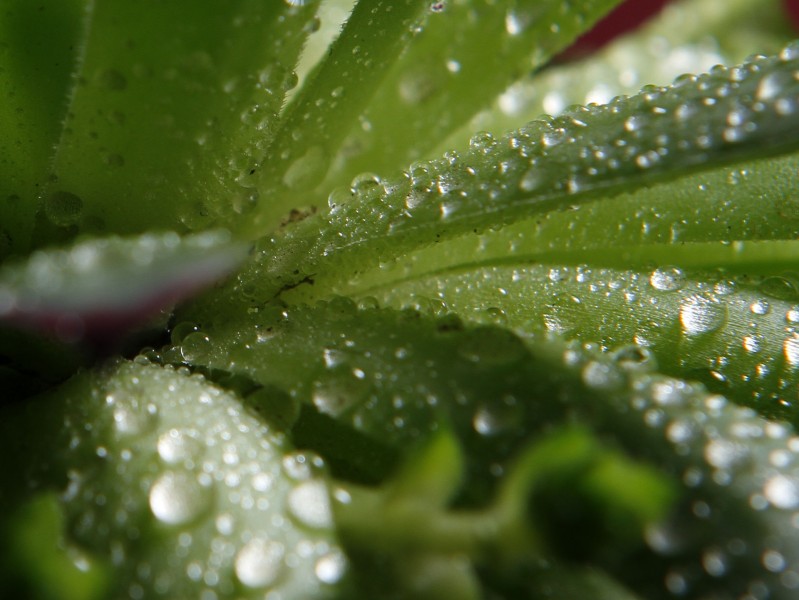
(63, 208)
(196, 346)
(782, 492)
(259, 563)
(702, 314)
(790, 350)
(330, 568)
(307, 170)
(309, 503)
(131, 415)
(667, 279)
(177, 497)
(177, 445)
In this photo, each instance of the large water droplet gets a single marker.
(702, 314)
(782, 492)
(259, 563)
(63, 208)
(196, 346)
(667, 279)
(331, 567)
(309, 503)
(177, 497)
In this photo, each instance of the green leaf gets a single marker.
(733, 327)
(99, 288)
(444, 77)
(180, 487)
(39, 48)
(587, 153)
(331, 99)
(499, 396)
(690, 36)
(169, 114)
(36, 563)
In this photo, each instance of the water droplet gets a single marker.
(196, 346)
(790, 52)
(331, 567)
(498, 416)
(702, 314)
(633, 358)
(760, 307)
(178, 445)
(307, 170)
(63, 208)
(301, 466)
(751, 344)
(531, 180)
(680, 432)
(770, 86)
(177, 498)
(259, 563)
(667, 279)
(773, 561)
(790, 350)
(780, 288)
(517, 22)
(601, 375)
(782, 492)
(634, 123)
(340, 391)
(309, 503)
(367, 186)
(131, 415)
(714, 562)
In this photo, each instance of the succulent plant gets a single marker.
(336, 299)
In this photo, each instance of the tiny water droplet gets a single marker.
(601, 376)
(177, 445)
(499, 416)
(634, 123)
(307, 170)
(715, 562)
(132, 415)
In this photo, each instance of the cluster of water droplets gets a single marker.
(224, 507)
(742, 472)
(559, 161)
